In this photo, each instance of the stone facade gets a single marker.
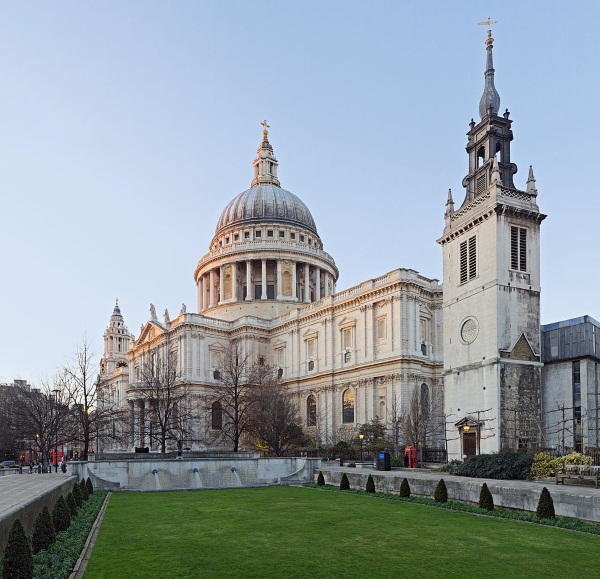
(353, 356)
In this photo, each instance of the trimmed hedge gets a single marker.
(18, 559)
(503, 466)
(89, 486)
(58, 561)
(370, 486)
(486, 500)
(441, 492)
(570, 524)
(43, 534)
(61, 518)
(344, 483)
(405, 488)
(545, 508)
(320, 479)
(71, 504)
(85, 495)
(77, 495)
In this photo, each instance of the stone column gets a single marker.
(306, 283)
(249, 294)
(234, 294)
(221, 284)
(278, 282)
(132, 421)
(327, 293)
(204, 300)
(264, 280)
(294, 282)
(211, 289)
(318, 285)
(141, 423)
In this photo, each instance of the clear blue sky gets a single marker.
(126, 127)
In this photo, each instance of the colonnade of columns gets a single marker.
(264, 279)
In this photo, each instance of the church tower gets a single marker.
(491, 309)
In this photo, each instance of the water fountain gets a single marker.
(237, 476)
(197, 478)
(156, 481)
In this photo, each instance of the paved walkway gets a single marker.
(20, 489)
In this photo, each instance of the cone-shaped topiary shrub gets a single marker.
(441, 492)
(405, 488)
(77, 495)
(89, 486)
(344, 483)
(370, 487)
(321, 479)
(84, 491)
(18, 559)
(61, 519)
(43, 534)
(486, 500)
(545, 508)
(72, 505)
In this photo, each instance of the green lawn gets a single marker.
(300, 532)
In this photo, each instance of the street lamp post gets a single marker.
(55, 425)
(361, 436)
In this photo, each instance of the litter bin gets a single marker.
(384, 461)
(339, 462)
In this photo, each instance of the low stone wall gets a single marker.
(576, 502)
(27, 510)
(159, 473)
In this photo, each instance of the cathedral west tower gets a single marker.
(491, 309)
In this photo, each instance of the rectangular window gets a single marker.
(270, 233)
(292, 236)
(270, 292)
(258, 234)
(236, 236)
(347, 339)
(518, 248)
(468, 259)
(257, 291)
(282, 234)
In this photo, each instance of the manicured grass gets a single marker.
(302, 532)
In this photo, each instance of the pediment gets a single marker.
(310, 333)
(279, 343)
(521, 350)
(151, 330)
(347, 322)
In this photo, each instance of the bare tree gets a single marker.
(274, 416)
(395, 420)
(80, 382)
(237, 377)
(168, 408)
(39, 416)
(422, 422)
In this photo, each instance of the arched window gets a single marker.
(425, 401)
(311, 410)
(216, 416)
(348, 406)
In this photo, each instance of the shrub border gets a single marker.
(561, 523)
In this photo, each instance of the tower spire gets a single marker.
(490, 100)
(265, 164)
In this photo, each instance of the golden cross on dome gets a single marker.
(265, 126)
(488, 23)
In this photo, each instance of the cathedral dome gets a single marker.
(264, 204)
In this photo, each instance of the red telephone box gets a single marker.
(410, 452)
